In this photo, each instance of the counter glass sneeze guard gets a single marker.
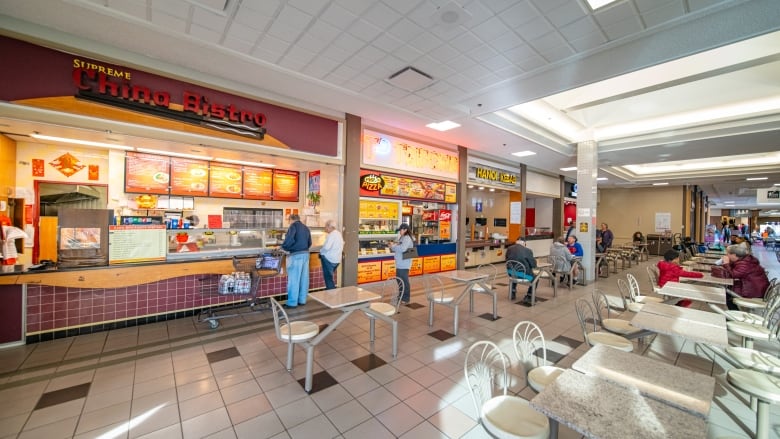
(191, 244)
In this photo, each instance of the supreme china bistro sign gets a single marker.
(47, 78)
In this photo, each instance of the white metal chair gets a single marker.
(653, 274)
(392, 291)
(613, 325)
(502, 416)
(758, 303)
(628, 300)
(766, 330)
(528, 341)
(518, 275)
(584, 315)
(761, 386)
(756, 318)
(492, 272)
(300, 331)
(560, 269)
(438, 295)
(636, 295)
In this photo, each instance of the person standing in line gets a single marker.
(297, 243)
(330, 253)
(402, 266)
(606, 237)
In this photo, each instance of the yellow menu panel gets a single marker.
(417, 267)
(431, 264)
(448, 262)
(379, 209)
(369, 272)
(388, 269)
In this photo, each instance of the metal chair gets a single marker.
(528, 341)
(502, 416)
(300, 331)
(438, 295)
(636, 295)
(560, 269)
(758, 303)
(392, 291)
(652, 274)
(613, 325)
(761, 386)
(585, 314)
(519, 275)
(492, 272)
(628, 300)
(766, 330)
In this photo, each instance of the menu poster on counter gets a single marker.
(225, 181)
(373, 183)
(285, 185)
(131, 244)
(258, 183)
(147, 173)
(189, 177)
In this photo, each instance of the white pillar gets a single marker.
(587, 172)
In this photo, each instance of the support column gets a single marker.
(587, 172)
(351, 191)
(463, 200)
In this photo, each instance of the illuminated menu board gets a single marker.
(189, 177)
(147, 173)
(258, 183)
(285, 185)
(225, 181)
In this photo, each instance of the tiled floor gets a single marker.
(181, 379)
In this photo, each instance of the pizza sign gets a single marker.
(372, 182)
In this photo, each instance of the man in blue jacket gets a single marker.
(297, 243)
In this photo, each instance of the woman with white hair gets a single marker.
(330, 253)
(749, 276)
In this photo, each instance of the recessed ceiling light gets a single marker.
(776, 184)
(595, 4)
(523, 153)
(660, 184)
(482, 188)
(570, 168)
(492, 189)
(602, 178)
(443, 126)
(471, 186)
(756, 178)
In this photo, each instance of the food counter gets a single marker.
(488, 251)
(540, 244)
(375, 266)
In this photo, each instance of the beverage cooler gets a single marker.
(436, 226)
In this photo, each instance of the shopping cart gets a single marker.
(244, 283)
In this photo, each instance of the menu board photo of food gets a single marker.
(225, 181)
(285, 185)
(189, 177)
(258, 183)
(147, 173)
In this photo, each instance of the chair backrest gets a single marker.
(652, 274)
(280, 318)
(393, 291)
(625, 292)
(585, 313)
(528, 340)
(485, 370)
(434, 286)
(601, 304)
(491, 271)
(515, 269)
(633, 286)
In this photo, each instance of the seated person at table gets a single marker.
(749, 276)
(574, 247)
(520, 253)
(669, 270)
(558, 248)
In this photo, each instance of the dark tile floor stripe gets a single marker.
(566, 341)
(415, 305)
(222, 354)
(67, 394)
(320, 381)
(368, 362)
(489, 316)
(552, 356)
(528, 305)
(441, 335)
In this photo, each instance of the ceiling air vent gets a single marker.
(451, 15)
(410, 79)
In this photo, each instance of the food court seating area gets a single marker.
(182, 379)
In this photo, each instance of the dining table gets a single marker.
(469, 279)
(693, 291)
(708, 279)
(597, 408)
(348, 300)
(681, 388)
(692, 324)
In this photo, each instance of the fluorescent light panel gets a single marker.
(571, 168)
(443, 126)
(660, 184)
(756, 178)
(595, 4)
(81, 142)
(602, 178)
(523, 153)
(724, 162)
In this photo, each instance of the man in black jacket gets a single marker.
(520, 253)
(296, 243)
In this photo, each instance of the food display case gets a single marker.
(379, 219)
(189, 244)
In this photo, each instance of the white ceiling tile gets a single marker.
(460, 63)
(271, 44)
(534, 29)
(588, 42)
(209, 20)
(312, 43)
(407, 53)
(300, 54)
(266, 55)
(509, 72)
(242, 32)
(364, 30)
(433, 67)
(482, 53)
(444, 53)
(360, 82)
(385, 66)
(252, 18)
(500, 5)
(579, 29)
(405, 29)
(387, 42)
(547, 5)
(264, 6)
(348, 43)
(519, 14)
(507, 41)
(548, 41)
(323, 31)
(290, 24)
(614, 14)
(177, 8)
(519, 53)
(320, 67)
(558, 53)
(358, 63)
(169, 22)
(402, 6)
(662, 14)
(291, 64)
(479, 13)
(696, 5)
(475, 71)
(356, 7)
(490, 29)
(237, 44)
(311, 7)
(407, 101)
(423, 14)
(565, 14)
(531, 63)
(623, 28)
(646, 5)
(345, 71)
(335, 53)
(496, 62)
(134, 8)
(377, 88)
(465, 42)
(381, 15)
(371, 53)
(487, 80)
(205, 34)
(336, 15)
(425, 42)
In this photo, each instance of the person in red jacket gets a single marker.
(749, 276)
(669, 270)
